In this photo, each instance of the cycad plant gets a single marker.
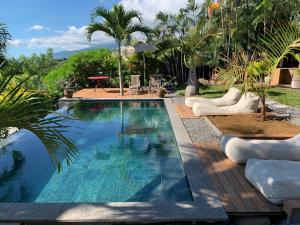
(119, 24)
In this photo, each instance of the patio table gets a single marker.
(99, 79)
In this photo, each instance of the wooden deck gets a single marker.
(237, 195)
(184, 112)
(110, 93)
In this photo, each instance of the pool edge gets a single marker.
(206, 206)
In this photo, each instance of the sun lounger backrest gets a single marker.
(233, 94)
(248, 103)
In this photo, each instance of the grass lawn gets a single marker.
(283, 95)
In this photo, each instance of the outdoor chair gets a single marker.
(248, 103)
(154, 83)
(230, 98)
(134, 84)
(239, 150)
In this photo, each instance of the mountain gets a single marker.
(67, 54)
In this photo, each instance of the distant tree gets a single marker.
(5, 38)
(194, 47)
(119, 24)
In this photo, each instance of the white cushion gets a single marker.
(248, 103)
(277, 180)
(230, 98)
(239, 150)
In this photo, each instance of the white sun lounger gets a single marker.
(239, 150)
(248, 103)
(277, 180)
(230, 98)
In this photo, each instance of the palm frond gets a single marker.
(277, 45)
(24, 109)
(94, 27)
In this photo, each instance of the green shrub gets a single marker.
(80, 66)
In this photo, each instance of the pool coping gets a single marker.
(206, 206)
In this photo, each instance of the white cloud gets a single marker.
(72, 39)
(149, 8)
(36, 27)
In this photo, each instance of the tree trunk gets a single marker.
(263, 110)
(120, 69)
(193, 84)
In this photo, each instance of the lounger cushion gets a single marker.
(277, 180)
(230, 98)
(239, 150)
(248, 103)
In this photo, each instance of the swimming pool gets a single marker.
(128, 153)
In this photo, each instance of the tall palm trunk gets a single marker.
(120, 68)
(192, 83)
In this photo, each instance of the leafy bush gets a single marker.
(80, 66)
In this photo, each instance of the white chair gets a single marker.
(134, 84)
(230, 98)
(239, 150)
(277, 180)
(248, 103)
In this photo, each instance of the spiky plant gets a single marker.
(25, 109)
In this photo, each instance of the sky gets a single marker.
(36, 25)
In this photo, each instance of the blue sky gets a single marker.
(36, 25)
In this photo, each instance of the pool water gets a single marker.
(128, 152)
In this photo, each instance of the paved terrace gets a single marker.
(110, 93)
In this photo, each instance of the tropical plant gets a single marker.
(193, 46)
(277, 44)
(251, 72)
(80, 66)
(5, 38)
(119, 24)
(25, 109)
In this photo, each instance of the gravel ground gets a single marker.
(284, 110)
(200, 131)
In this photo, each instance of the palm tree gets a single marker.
(4, 39)
(275, 47)
(25, 109)
(118, 24)
(193, 45)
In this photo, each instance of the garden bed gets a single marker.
(251, 126)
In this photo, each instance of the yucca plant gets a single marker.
(25, 109)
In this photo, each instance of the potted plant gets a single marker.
(68, 86)
(166, 87)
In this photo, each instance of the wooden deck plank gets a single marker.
(225, 181)
(184, 112)
(254, 202)
(223, 195)
(240, 197)
(229, 172)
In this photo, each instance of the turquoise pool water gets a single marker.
(128, 152)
